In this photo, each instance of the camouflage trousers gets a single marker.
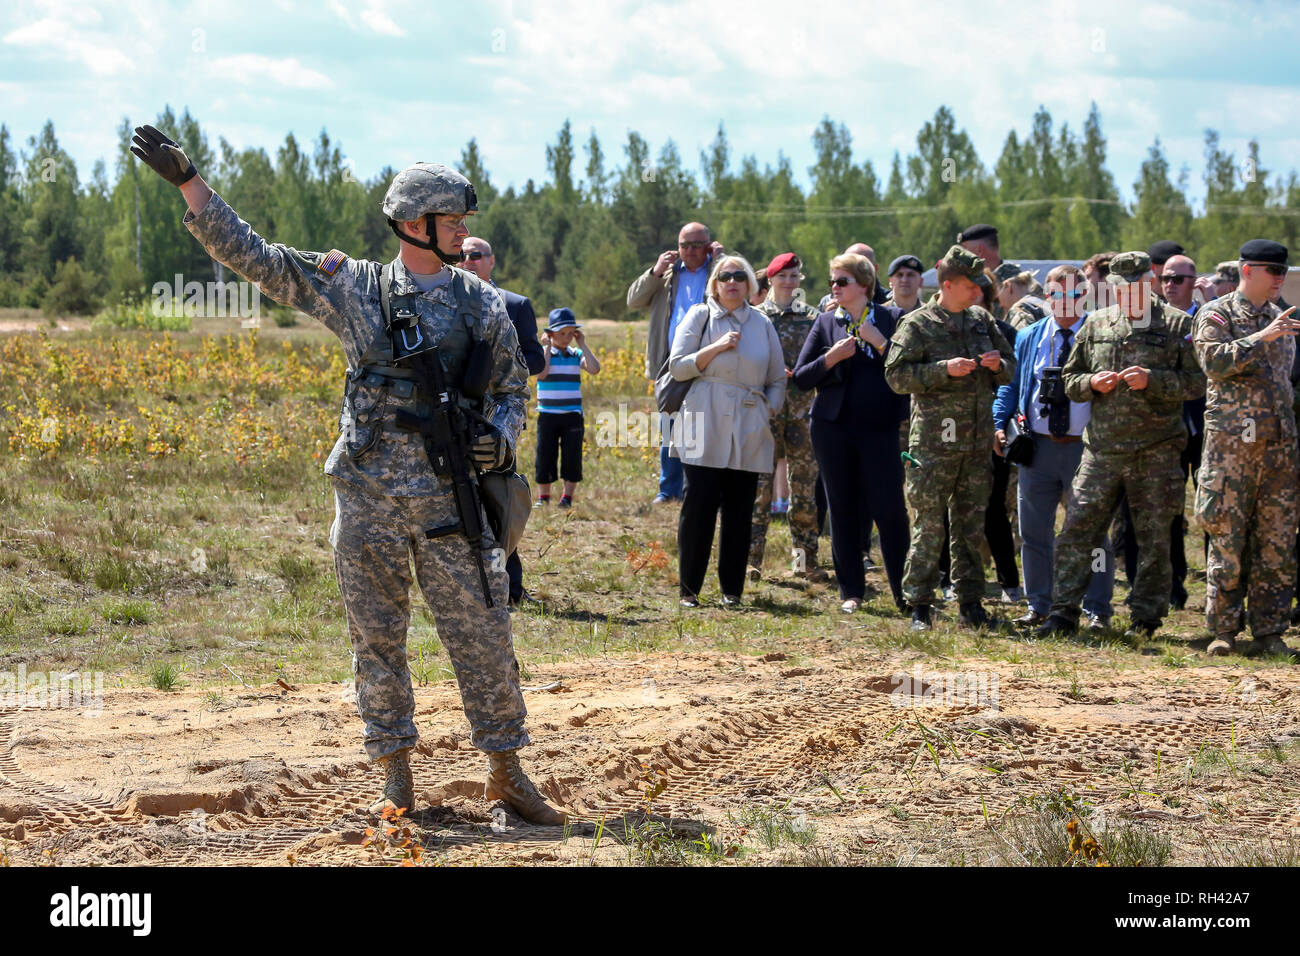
(794, 444)
(1246, 500)
(1153, 480)
(374, 539)
(957, 483)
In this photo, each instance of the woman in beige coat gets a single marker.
(723, 433)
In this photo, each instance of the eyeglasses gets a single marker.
(841, 282)
(1073, 293)
(1176, 279)
(475, 256)
(738, 276)
(692, 244)
(1272, 268)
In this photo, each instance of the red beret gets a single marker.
(782, 262)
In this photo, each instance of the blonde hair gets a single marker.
(860, 267)
(751, 289)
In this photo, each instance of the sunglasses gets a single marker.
(692, 244)
(1176, 279)
(1073, 293)
(738, 276)
(841, 282)
(474, 256)
(1272, 268)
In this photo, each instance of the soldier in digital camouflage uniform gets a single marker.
(790, 430)
(948, 355)
(385, 491)
(1134, 361)
(1246, 493)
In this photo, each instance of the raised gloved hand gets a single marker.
(490, 450)
(164, 156)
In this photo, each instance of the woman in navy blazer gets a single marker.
(855, 417)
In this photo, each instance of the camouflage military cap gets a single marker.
(428, 187)
(965, 262)
(1008, 270)
(1129, 267)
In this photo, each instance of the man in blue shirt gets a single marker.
(668, 289)
(1056, 427)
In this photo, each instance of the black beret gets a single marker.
(1264, 250)
(905, 262)
(978, 231)
(1164, 250)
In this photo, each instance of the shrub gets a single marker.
(75, 291)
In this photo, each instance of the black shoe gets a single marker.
(903, 607)
(920, 617)
(523, 597)
(1057, 626)
(1178, 600)
(690, 602)
(972, 614)
(730, 600)
(1141, 630)
(1032, 619)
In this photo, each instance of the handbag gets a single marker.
(1020, 444)
(671, 392)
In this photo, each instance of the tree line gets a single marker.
(577, 238)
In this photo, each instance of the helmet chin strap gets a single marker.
(453, 259)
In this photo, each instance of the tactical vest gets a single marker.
(383, 383)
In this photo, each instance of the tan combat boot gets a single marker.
(507, 781)
(399, 785)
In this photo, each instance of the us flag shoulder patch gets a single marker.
(330, 264)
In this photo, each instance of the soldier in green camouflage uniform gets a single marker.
(386, 493)
(1246, 493)
(1137, 372)
(949, 355)
(793, 442)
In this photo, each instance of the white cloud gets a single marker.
(51, 34)
(373, 14)
(284, 71)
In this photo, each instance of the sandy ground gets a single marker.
(274, 776)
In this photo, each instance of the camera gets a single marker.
(1051, 390)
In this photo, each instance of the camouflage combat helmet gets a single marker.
(428, 189)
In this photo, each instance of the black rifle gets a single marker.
(448, 435)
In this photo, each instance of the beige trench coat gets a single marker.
(725, 420)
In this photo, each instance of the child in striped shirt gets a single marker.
(559, 405)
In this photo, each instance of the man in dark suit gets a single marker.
(480, 261)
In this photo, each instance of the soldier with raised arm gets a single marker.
(388, 498)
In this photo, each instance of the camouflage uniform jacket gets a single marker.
(1125, 419)
(1026, 312)
(792, 324)
(917, 365)
(1248, 379)
(343, 293)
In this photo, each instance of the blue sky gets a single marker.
(395, 81)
